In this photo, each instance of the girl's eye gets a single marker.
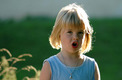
(80, 32)
(69, 32)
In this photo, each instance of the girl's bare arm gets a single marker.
(45, 72)
(97, 72)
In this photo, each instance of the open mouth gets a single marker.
(75, 44)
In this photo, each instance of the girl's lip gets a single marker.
(75, 44)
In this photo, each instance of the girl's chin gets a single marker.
(71, 49)
(75, 50)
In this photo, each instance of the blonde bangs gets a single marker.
(71, 20)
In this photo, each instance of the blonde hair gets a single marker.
(72, 16)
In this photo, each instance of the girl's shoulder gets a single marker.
(89, 60)
(51, 59)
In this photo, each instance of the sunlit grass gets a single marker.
(8, 71)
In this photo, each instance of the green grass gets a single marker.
(31, 36)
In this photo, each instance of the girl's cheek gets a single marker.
(68, 36)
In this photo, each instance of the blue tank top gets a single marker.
(61, 72)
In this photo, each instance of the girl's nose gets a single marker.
(75, 37)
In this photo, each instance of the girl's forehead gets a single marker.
(71, 27)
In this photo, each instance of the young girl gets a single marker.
(72, 34)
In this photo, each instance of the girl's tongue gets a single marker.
(75, 44)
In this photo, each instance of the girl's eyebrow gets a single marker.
(82, 30)
(78, 30)
(69, 29)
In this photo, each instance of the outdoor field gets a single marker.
(31, 36)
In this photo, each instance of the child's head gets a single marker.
(74, 17)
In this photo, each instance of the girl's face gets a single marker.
(71, 40)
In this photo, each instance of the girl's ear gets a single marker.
(60, 41)
(60, 36)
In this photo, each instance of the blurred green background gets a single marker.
(30, 35)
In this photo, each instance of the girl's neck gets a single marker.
(75, 55)
(70, 59)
